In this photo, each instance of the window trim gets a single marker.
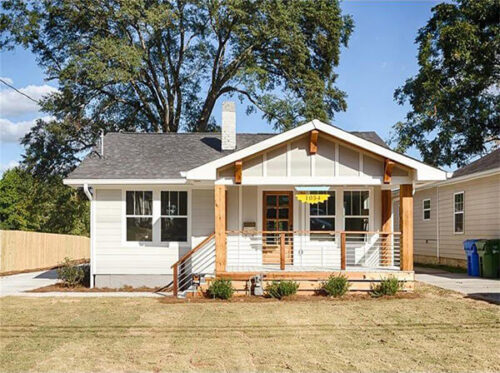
(455, 213)
(143, 190)
(426, 209)
(161, 216)
(334, 216)
(370, 207)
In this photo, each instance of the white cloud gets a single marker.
(7, 166)
(14, 131)
(14, 104)
(7, 80)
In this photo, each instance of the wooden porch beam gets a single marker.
(238, 171)
(313, 142)
(386, 257)
(406, 226)
(220, 229)
(388, 166)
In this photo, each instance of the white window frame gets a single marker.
(370, 207)
(143, 190)
(309, 216)
(455, 213)
(176, 216)
(426, 209)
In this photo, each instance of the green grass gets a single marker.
(443, 267)
(434, 330)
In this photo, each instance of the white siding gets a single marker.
(276, 162)
(300, 160)
(482, 216)
(349, 162)
(325, 158)
(112, 255)
(202, 214)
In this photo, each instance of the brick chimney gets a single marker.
(228, 139)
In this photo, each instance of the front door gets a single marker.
(278, 217)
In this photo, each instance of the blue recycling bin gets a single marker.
(472, 257)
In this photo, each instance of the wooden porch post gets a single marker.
(282, 251)
(386, 256)
(220, 229)
(406, 226)
(342, 251)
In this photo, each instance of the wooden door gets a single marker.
(277, 216)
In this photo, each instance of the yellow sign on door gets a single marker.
(312, 198)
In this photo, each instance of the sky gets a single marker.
(381, 55)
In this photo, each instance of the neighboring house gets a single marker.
(299, 204)
(466, 206)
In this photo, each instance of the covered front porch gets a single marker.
(348, 229)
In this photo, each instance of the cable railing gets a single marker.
(338, 249)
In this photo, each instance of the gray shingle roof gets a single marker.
(164, 155)
(488, 162)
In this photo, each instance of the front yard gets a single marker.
(433, 330)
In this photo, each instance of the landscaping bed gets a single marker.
(59, 287)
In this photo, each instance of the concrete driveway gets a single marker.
(473, 287)
(17, 284)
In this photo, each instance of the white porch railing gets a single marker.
(332, 249)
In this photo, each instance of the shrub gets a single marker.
(387, 286)
(280, 289)
(220, 288)
(70, 273)
(336, 286)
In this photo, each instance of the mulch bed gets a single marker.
(83, 289)
(294, 298)
(9, 273)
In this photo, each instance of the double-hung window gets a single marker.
(356, 210)
(458, 211)
(426, 206)
(174, 216)
(139, 215)
(322, 215)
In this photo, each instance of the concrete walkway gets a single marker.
(17, 285)
(473, 287)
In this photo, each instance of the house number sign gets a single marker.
(312, 198)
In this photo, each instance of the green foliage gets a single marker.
(454, 97)
(162, 65)
(30, 204)
(388, 286)
(336, 286)
(221, 289)
(280, 289)
(70, 273)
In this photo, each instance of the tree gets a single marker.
(29, 204)
(161, 65)
(455, 95)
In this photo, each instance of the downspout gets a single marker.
(92, 227)
(437, 223)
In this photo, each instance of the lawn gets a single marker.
(432, 330)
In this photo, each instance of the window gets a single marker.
(356, 210)
(322, 216)
(458, 212)
(427, 209)
(139, 215)
(173, 216)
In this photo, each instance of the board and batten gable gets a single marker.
(113, 255)
(332, 159)
(436, 237)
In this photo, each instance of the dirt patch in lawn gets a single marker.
(59, 287)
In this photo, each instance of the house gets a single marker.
(302, 204)
(446, 213)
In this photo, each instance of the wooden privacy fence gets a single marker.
(21, 251)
